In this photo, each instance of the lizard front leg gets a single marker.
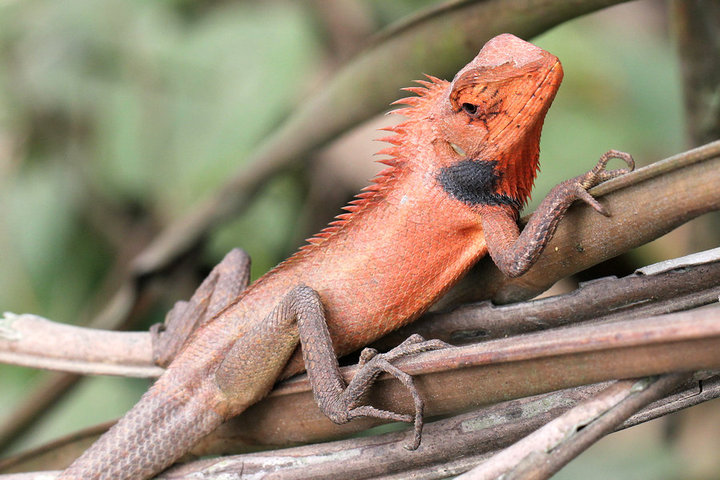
(514, 252)
(300, 315)
(220, 288)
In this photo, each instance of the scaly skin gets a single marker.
(460, 168)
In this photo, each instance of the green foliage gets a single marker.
(133, 105)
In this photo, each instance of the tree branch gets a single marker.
(545, 451)
(450, 447)
(36, 342)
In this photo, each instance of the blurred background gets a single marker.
(116, 117)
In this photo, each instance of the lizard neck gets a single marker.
(413, 149)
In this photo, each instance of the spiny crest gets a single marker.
(421, 96)
(375, 191)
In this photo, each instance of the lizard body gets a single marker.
(460, 168)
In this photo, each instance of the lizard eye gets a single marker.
(470, 109)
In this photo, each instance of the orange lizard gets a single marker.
(460, 169)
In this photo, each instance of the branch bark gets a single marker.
(545, 451)
(36, 342)
(451, 446)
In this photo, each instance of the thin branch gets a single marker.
(707, 387)
(36, 342)
(47, 392)
(643, 393)
(546, 450)
(450, 447)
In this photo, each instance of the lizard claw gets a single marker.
(372, 364)
(583, 195)
(366, 355)
(599, 174)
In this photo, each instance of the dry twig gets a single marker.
(545, 451)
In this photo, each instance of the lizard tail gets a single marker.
(158, 430)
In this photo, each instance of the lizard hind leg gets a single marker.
(340, 401)
(220, 288)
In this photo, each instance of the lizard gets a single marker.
(459, 169)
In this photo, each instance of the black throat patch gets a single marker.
(474, 182)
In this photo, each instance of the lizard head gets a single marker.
(480, 133)
(493, 114)
(510, 83)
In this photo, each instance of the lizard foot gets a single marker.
(598, 175)
(372, 364)
(338, 400)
